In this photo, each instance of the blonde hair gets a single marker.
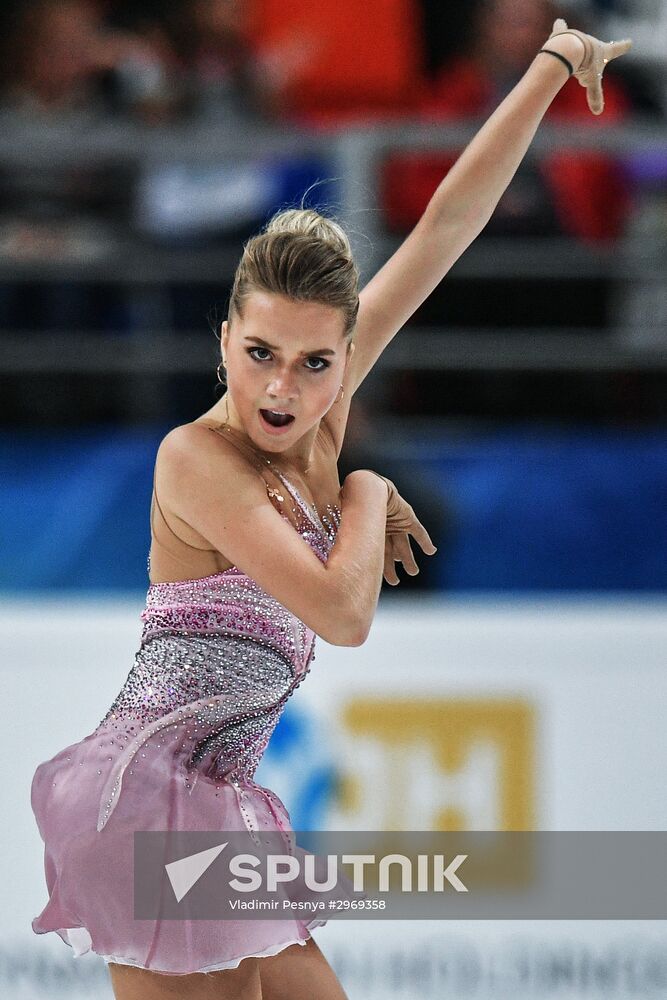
(304, 256)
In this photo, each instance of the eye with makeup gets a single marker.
(324, 364)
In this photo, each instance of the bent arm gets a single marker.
(207, 484)
(357, 557)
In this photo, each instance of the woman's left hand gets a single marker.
(401, 523)
(596, 55)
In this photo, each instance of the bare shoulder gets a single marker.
(193, 446)
(182, 439)
(193, 457)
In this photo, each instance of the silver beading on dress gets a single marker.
(218, 659)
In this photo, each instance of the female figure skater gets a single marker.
(236, 598)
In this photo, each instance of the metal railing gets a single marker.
(355, 155)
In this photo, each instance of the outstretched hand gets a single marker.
(596, 56)
(401, 523)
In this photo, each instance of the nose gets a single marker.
(282, 386)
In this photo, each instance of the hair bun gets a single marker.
(304, 256)
(309, 222)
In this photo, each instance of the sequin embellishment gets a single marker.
(218, 659)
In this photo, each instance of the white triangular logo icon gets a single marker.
(186, 871)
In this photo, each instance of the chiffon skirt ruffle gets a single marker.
(89, 872)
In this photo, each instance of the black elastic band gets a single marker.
(566, 62)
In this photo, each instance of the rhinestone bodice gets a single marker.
(218, 659)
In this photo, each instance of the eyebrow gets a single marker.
(263, 343)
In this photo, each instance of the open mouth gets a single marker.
(277, 418)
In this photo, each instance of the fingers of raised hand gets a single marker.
(559, 25)
(615, 49)
(594, 95)
(593, 84)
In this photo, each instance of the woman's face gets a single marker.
(283, 356)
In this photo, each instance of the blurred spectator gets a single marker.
(205, 46)
(213, 40)
(60, 57)
(56, 53)
(578, 193)
(49, 58)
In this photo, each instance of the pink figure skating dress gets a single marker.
(177, 750)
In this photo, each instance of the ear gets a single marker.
(224, 336)
(350, 352)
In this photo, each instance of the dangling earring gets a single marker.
(220, 380)
(342, 393)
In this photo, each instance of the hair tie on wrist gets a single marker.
(566, 62)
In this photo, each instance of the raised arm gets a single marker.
(207, 484)
(465, 200)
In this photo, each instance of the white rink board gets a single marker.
(590, 677)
